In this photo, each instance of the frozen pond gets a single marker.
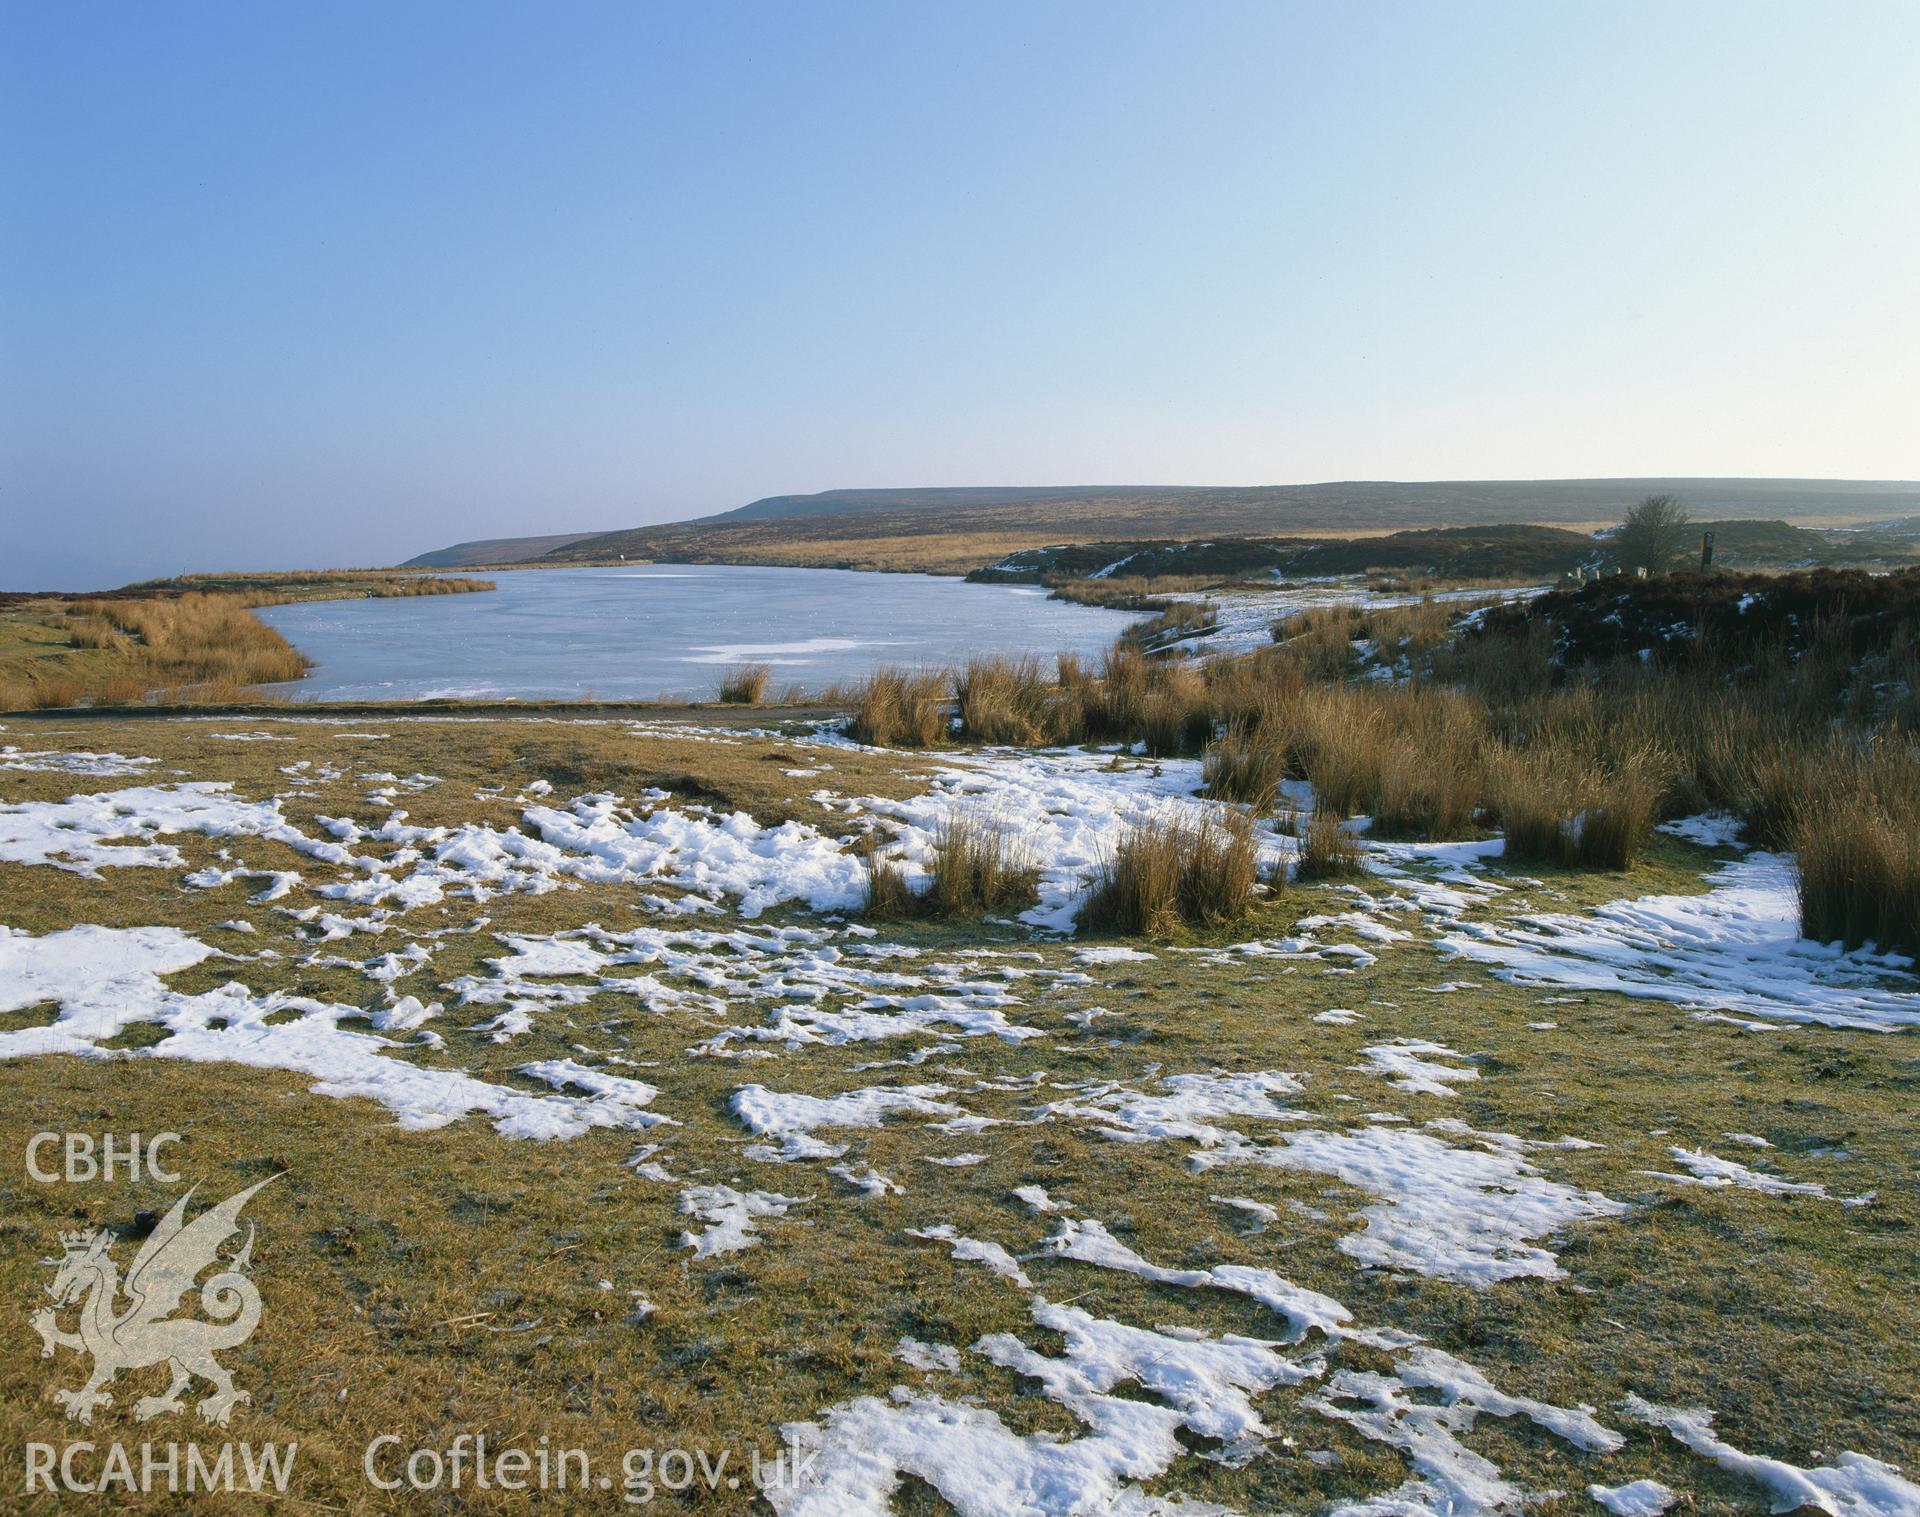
(626, 634)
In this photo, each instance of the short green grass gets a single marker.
(432, 1283)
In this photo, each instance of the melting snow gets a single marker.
(1207, 1383)
(1065, 809)
(1641, 1498)
(1457, 1213)
(1090, 1243)
(1131, 1117)
(791, 1119)
(105, 979)
(54, 762)
(1401, 1061)
(1855, 1486)
(981, 1467)
(732, 1216)
(1709, 1170)
(928, 1356)
(1263, 1216)
(976, 1251)
(1451, 1480)
(1737, 948)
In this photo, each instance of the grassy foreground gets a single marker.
(427, 1284)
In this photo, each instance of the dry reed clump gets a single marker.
(28, 693)
(1328, 851)
(1162, 875)
(978, 868)
(93, 632)
(1255, 688)
(198, 646)
(1163, 703)
(202, 639)
(1417, 628)
(1499, 669)
(1322, 639)
(1856, 845)
(195, 638)
(888, 895)
(1429, 794)
(1432, 770)
(745, 684)
(1246, 764)
(1009, 700)
(1559, 807)
(901, 708)
(1339, 744)
(1180, 619)
(1113, 703)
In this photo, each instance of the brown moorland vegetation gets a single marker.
(1810, 737)
(192, 639)
(1164, 875)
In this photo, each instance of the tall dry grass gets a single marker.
(978, 868)
(888, 895)
(1321, 639)
(1246, 764)
(202, 640)
(1164, 875)
(1328, 851)
(745, 684)
(901, 708)
(1162, 702)
(1560, 806)
(1012, 700)
(1180, 619)
(1855, 835)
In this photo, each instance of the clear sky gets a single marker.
(303, 283)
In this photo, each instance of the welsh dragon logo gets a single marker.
(145, 1332)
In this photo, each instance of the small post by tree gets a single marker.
(1654, 535)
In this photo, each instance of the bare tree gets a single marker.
(1655, 535)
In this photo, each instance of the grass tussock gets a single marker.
(901, 708)
(1180, 619)
(888, 895)
(978, 868)
(1246, 765)
(1162, 876)
(1009, 700)
(1328, 851)
(1322, 639)
(28, 692)
(745, 684)
(1557, 807)
(1856, 842)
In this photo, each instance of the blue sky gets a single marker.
(332, 284)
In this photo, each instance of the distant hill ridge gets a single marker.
(1804, 496)
(495, 550)
(952, 530)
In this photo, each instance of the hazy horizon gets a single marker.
(302, 286)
